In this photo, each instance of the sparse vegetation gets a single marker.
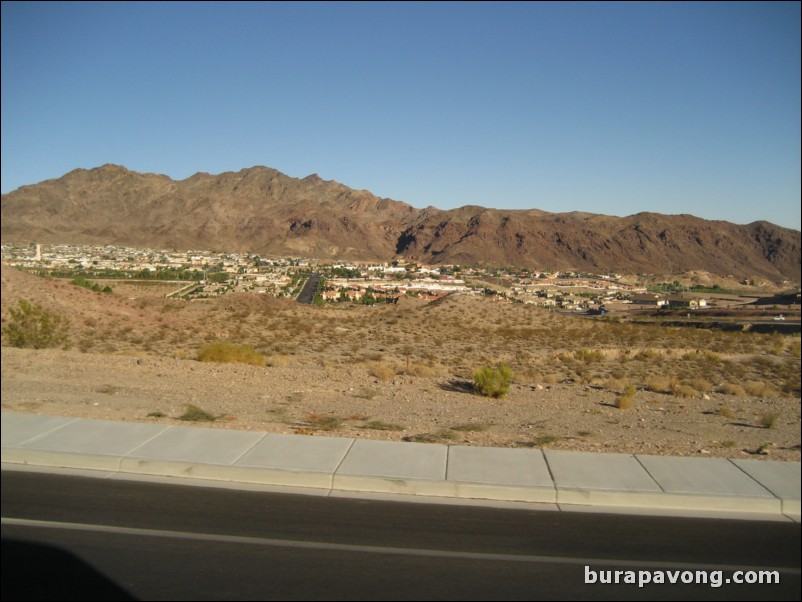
(195, 414)
(684, 391)
(319, 422)
(471, 427)
(366, 393)
(379, 425)
(769, 421)
(92, 286)
(34, 327)
(230, 353)
(382, 371)
(493, 382)
(726, 412)
(626, 400)
(732, 389)
(436, 437)
(424, 357)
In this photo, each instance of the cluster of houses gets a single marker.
(212, 274)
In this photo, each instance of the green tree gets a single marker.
(34, 327)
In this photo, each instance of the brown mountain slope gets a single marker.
(642, 243)
(264, 211)
(257, 209)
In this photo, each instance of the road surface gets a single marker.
(307, 294)
(90, 538)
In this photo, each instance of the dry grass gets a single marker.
(732, 389)
(726, 412)
(229, 353)
(319, 422)
(380, 425)
(624, 402)
(382, 371)
(471, 427)
(684, 391)
(757, 389)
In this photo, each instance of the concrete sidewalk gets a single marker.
(340, 466)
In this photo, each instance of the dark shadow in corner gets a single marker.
(33, 571)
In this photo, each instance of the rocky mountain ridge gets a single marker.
(261, 210)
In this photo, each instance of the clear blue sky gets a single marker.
(609, 108)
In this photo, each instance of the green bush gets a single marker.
(195, 414)
(231, 353)
(34, 327)
(493, 382)
(92, 286)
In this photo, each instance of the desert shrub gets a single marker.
(382, 371)
(324, 423)
(756, 389)
(662, 384)
(683, 391)
(702, 385)
(366, 393)
(230, 353)
(588, 356)
(623, 402)
(196, 414)
(493, 382)
(626, 400)
(436, 437)
(615, 384)
(732, 389)
(791, 385)
(769, 421)
(34, 327)
(425, 370)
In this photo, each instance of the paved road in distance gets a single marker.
(307, 294)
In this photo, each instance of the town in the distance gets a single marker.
(200, 274)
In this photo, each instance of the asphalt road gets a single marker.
(67, 537)
(307, 294)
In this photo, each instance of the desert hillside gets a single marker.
(406, 372)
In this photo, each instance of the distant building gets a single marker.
(648, 300)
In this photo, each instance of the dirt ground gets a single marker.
(349, 402)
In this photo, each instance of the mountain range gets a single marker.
(264, 211)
